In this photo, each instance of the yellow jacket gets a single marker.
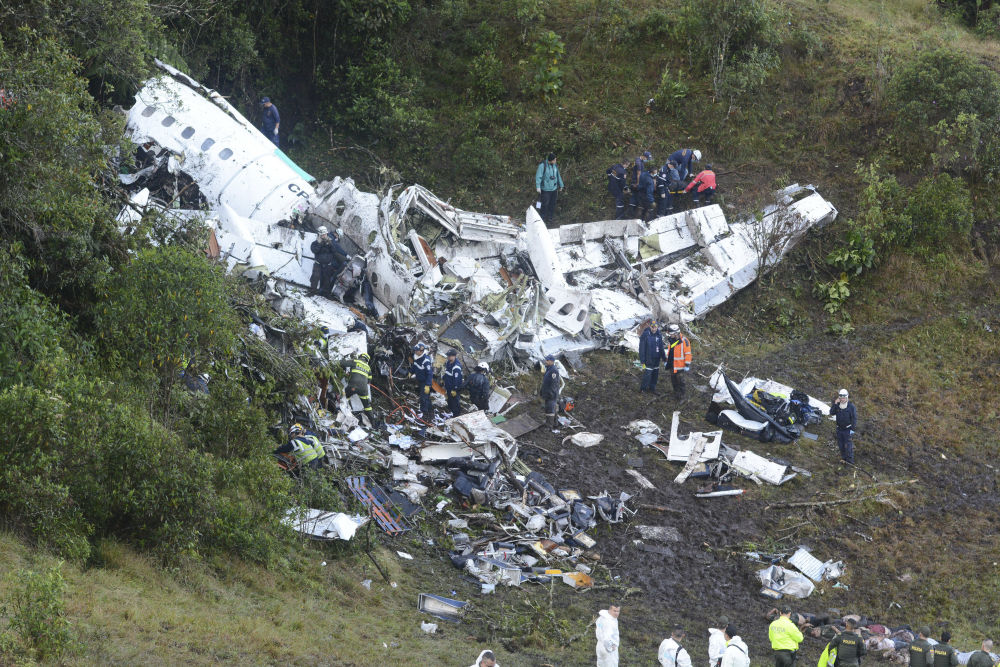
(784, 635)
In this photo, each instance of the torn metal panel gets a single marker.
(520, 425)
(232, 162)
(722, 395)
(680, 448)
(750, 464)
(568, 309)
(466, 225)
(323, 525)
(441, 607)
(476, 429)
(807, 564)
(542, 252)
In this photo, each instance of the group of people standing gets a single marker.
(639, 187)
(674, 353)
(422, 370)
(650, 191)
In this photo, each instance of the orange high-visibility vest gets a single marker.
(682, 352)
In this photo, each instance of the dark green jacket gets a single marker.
(850, 648)
(980, 659)
(920, 653)
(944, 655)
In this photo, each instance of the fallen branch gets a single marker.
(659, 508)
(826, 503)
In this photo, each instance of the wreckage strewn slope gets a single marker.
(88, 433)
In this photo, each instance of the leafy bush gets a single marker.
(380, 101)
(37, 612)
(938, 86)
(854, 257)
(546, 77)
(671, 88)
(940, 210)
(882, 217)
(487, 77)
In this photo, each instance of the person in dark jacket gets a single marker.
(551, 387)
(850, 647)
(982, 657)
(683, 159)
(847, 420)
(453, 382)
(668, 181)
(422, 371)
(652, 351)
(617, 181)
(920, 649)
(642, 195)
(271, 121)
(329, 257)
(479, 387)
(943, 653)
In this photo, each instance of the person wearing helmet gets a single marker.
(678, 359)
(329, 260)
(422, 371)
(651, 352)
(479, 387)
(453, 382)
(843, 410)
(303, 448)
(359, 376)
(683, 159)
(354, 324)
(705, 184)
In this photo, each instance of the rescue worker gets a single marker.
(640, 165)
(671, 653)
(703, 185)
(982, 657)
(847, 420)
(271, 121)
(485, 659)
(479, 387)
(548, 183)
(678, 359)
(920, 649)
(735, 654)
(423, 371)
(304, 446)
(651, 353)
(359, 377)
(667, 181)
(550, 391)
(642, 195)
(607, 636)
(683, 158)
(717, 642)
(329, 259)
(617, 184)
(785, 638)
(353, 324)
(849, 646)
(943, 653)
(453, 382)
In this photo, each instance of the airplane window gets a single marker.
(225, 154)
(168, 121)
(188, 132)
(208, 143)
(149, 111)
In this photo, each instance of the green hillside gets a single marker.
(141, 522)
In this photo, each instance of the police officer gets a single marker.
(651, 352)
(785, 638)
(920, 649)
(847, 420)
(453, 381)
(944, 655)
(359, 380)
(550, 391)
(982, 657)
(423, 371)
(617, 182)
(678, 358)
(329, 257)
(850, 647)
(479, 386)
(642, 195)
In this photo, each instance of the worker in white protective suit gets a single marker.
(485, 659)
(717, 642)
(736, 649)
(607, 636)
(672, 652)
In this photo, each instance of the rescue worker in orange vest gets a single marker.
(705, 183)
(678, 359)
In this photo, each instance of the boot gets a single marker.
(553, 424)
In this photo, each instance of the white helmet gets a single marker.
(843, 393)
(349, 322)
(697, 155)
(484, 367)
(673, 329)
(322, 230)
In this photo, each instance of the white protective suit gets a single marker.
(716, 646)
(672, 654)
(480, 659)
(736, 654)
(607, 640)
